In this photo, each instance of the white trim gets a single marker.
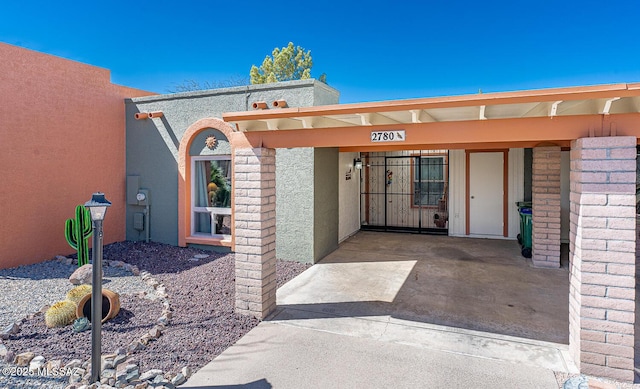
(216, 210)
(457, 193)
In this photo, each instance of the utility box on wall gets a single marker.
(138, 197)
(138, 221)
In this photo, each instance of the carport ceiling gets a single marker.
(591, 100)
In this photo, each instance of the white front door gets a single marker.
(486, 191)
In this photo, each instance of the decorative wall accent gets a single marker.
(211, 142)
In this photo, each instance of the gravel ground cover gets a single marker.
(26, 289)
(201, 293)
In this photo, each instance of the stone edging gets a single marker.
(119, 369)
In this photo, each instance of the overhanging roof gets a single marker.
(587, 100)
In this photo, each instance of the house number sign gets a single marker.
(388, 136)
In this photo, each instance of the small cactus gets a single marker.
(76, 294)
(60, 314)
(77, 231)
(81, 324)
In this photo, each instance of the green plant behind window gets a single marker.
(221, 196)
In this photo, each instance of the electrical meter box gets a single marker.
(138, 221)
(142, 197)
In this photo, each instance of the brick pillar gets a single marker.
(255, 230)
(546, 207)
(602, 251)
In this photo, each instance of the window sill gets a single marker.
(224, 241)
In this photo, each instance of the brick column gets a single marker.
(602, 251)
(255, 230)
(546, 207)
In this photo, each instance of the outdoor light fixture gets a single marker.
(357, 163)
(98, 208)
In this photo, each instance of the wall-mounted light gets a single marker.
(357, 163)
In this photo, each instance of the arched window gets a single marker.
(211, 196)
(209, 188)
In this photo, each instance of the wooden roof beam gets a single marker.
(379, 118)
(421, 116)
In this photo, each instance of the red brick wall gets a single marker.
(602, 249)
(255, 231)
(546, 206)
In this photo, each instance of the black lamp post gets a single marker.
(97, 207)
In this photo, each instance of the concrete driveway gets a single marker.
(408, 311)
(475, 284)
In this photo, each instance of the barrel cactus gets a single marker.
(76, 294)
(60, 314)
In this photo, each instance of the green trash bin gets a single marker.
(525, 231)
(520, 205)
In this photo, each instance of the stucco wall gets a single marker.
(294, 204)
(349, 193)
(326, 202)
(306, 203)
(152, 144)
(323, 94)
(61, 139)
(152, 151)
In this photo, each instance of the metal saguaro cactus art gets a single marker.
(77, 231)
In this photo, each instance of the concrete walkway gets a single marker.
(364, 317)
(277, 355)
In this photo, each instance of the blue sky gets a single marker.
(370, 51)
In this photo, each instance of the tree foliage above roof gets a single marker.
(285, 64)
